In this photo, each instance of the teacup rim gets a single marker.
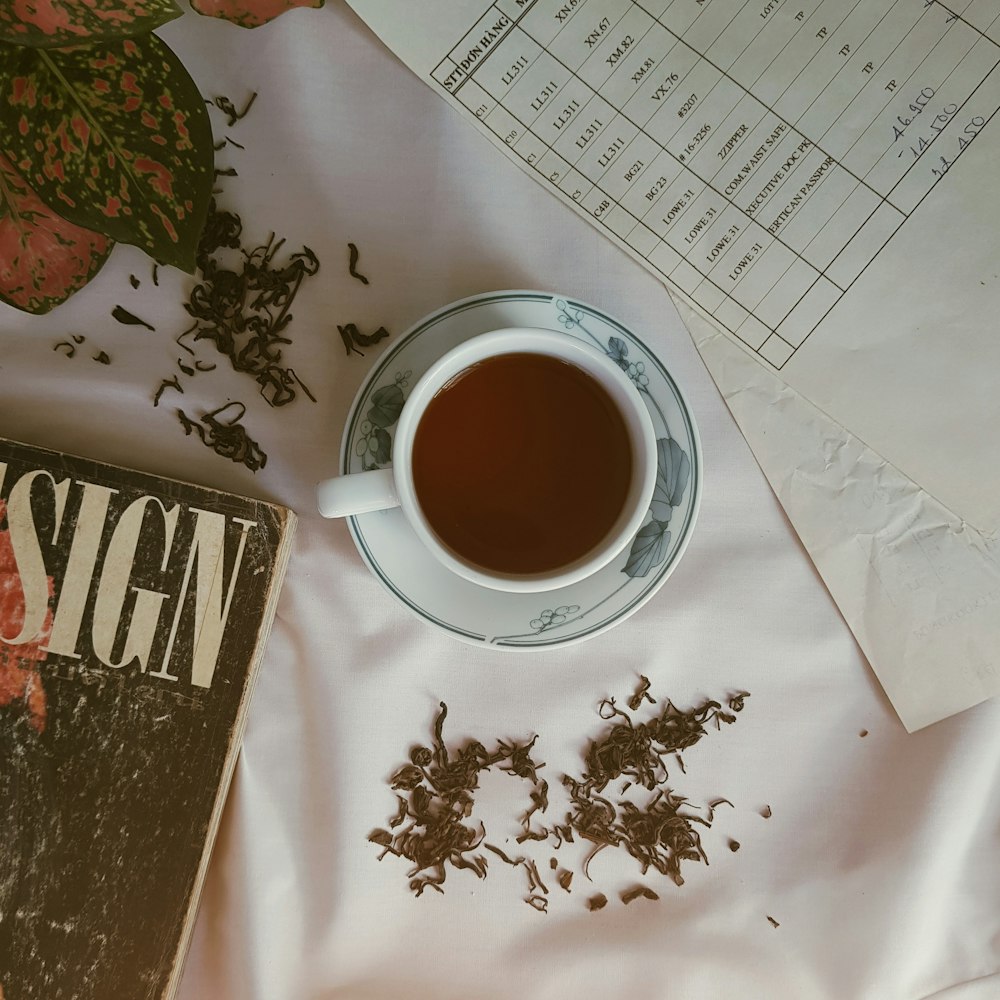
(526, 340)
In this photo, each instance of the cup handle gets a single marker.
(357, 493)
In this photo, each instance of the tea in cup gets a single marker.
(524, 460)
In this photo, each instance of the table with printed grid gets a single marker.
(758, 155)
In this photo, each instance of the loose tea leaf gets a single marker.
(640, 891)
(167, 383)
(734, 846)
(345, 336)
(70, 349)
(354, 338)
(353, 263)
(226, 106)
(133, 281)
(736, 700)
(230, 440)
(129, 319)
(102, 358)
(773, 922)
(641, 692)
(597, 902)
(863, 733)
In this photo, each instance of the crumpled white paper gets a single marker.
(919, 587)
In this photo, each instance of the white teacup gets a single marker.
(361, 492)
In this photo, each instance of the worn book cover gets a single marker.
(133, 615)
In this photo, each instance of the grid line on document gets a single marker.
(769, 107)
(871, 31)
(706, 280)
(794, 35)
(938, 134)
(915, 207)
(596, 184)
(684, 165)
(888, 100)
(514, 23)
(704, 277)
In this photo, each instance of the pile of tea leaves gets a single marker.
(434, 828)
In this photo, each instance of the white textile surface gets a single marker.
(880, 859)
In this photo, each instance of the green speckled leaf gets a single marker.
(250, 13)
(43, 258)
(114, 137)
(70, 22)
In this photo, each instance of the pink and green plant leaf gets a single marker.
(114, 137)
(43, 258)
(249, 13)
(74, 22)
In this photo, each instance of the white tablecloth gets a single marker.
(879, 861)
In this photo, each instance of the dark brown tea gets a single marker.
(522, 463)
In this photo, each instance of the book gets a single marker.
(133, 615)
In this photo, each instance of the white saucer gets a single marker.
(493, 618)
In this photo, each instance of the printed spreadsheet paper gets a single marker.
(813, 181)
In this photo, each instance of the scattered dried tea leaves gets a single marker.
(245, 310)
(439, 786)
(133, 281)
(130, 319)
(228, 439)
(352, 264)
(773, 922)
(68, 349)
(660, 830)
(597, 902)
